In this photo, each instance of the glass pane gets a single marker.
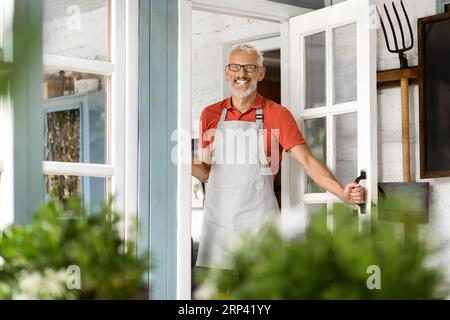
(75, 119)
(316, 208)
(92, 190)
(77, 29)
(316, 137)
(6, 34)
(319, 211)
(345, 216)
(63, 83)
(344, 64)
(2, 30)
(315, 84)
(346, 133)
(63, 138)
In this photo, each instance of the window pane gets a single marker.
(346, 133)
(315, 208)
(319, 210)
(63, 136)
(315, 94)
(92, 190)
(316, 137)
(6, 35)
(75, 119)
(344, 64)
(345, 216)
(77, 29)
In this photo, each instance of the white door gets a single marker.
(333, 96)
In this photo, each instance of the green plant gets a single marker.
(327, 265)
(63, 236)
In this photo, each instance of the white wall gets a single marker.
(78, 30)
(389, 137)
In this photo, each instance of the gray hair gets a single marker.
(250, 50)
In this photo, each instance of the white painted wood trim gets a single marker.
(132, 110)
(117, 131)
(256, 9)
(285, 101)
(183, 136)
(329, 111)
(367, 117)
(80, 65)
(315, 197)
(6, 162)
(77, 169)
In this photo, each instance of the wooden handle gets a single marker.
(404, 84)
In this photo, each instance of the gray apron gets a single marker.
(240, 198)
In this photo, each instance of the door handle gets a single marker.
(362, 176)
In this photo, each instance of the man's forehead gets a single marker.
(242, 54)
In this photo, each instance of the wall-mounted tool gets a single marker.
(401, 51)
(404, 202)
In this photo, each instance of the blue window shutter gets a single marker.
(27, 92)
(158, 67)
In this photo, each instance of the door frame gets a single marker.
(279, 13)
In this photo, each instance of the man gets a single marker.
(240, 196)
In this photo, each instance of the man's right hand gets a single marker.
(200, 170)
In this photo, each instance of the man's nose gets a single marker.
(241, 72)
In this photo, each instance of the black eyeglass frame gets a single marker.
(243, 66)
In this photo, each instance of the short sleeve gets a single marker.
(290, 134)
(206, 132)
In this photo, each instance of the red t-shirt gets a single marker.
(276, 116)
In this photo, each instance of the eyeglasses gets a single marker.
(247, 68)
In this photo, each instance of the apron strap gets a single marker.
(223, 116)
(265, 169)
(259, 118)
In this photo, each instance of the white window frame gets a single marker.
(122, 110)
(6, 118)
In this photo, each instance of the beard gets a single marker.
(240, 93)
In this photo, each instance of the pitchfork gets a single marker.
(400, 51)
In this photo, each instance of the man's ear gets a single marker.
(225, 72)
(262, 73)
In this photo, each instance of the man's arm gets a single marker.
(352, 193)
(200, 170)
(202, 166)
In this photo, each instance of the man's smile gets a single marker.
(241, 82)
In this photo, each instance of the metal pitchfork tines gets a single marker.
(400, 51)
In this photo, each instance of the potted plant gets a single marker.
(66, 254)
(341, 264)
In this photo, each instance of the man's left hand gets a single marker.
(354, 194)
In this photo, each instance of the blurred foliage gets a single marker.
(328, 265)
(53, 241)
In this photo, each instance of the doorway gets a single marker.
(213, 37)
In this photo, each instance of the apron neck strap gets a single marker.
(259, 116)
(223, 116)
